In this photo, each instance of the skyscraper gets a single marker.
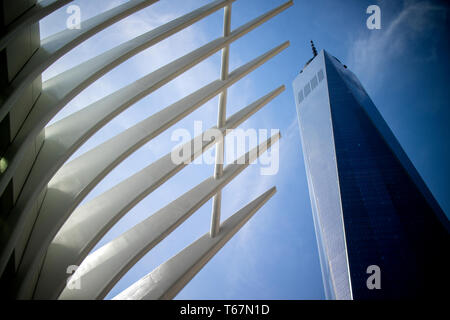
(380, 232)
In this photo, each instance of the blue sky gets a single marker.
(404, 68)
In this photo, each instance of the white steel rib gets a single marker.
(55, 211)
(89, 222)
(44, 229)
(101, 270)
(59, 90)
(45, 109)
(170, 277)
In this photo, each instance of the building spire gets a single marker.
(313, 49)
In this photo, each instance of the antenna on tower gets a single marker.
(313, 49)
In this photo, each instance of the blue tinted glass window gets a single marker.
(300, 96)
(320, 75)
(307, 89)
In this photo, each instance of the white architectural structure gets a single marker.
(43, 230)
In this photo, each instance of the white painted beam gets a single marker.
(221, 119)
(58, 92)
(55, 46)
(101, 270)
(63, 194)
(89, 222)
(167, 280)
(67, 135)
(156, 79)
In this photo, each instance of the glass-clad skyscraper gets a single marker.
(370, 206)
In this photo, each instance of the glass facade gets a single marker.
(369, 204)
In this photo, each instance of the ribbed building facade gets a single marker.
(43, 227)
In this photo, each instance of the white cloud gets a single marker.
(372, 50)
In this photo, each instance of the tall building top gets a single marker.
(313, 49)
(315, 54)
